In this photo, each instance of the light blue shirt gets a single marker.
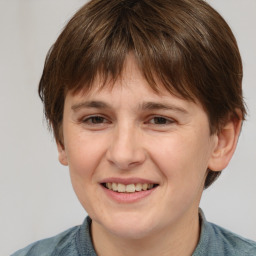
(214, 241)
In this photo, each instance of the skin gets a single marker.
(123, 136)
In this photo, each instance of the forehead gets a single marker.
(131, 76)
(131, 90)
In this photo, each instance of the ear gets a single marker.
(225, 147)
(62, 154)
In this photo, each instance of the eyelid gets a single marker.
(168, 119)
(85, 120)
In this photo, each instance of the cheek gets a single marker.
(84, 153)
(183, 158)
(182, 162)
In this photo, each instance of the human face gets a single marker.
(130, 135)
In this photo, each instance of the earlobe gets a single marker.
(226, 144)
(62, 154)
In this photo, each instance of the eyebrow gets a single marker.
(145, 106)
(161, 106)
(90, 104)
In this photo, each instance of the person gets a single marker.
(145, 101)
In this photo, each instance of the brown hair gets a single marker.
(185, 44)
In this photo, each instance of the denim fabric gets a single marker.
(214, 241)
(217, 241)
(73, 242)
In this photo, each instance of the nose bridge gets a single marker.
(125, 150)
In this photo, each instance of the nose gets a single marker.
(125, 150)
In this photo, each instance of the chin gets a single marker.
(130, 226)
(132, 232)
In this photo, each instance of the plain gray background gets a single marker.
(36, 197)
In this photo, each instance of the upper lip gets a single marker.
(126, 181)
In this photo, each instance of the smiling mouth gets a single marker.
(130, 188)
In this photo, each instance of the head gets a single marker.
(181, 46)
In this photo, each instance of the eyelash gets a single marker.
(89, 120)
(167, 121)
(99, 120)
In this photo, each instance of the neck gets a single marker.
(178, 240)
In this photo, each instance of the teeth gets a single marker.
(130, 188)
(138, 187)
(120, 187)
(144, 187)
(109, 185)
(150, 186)
(114, 186)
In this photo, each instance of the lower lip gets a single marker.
(127, 197)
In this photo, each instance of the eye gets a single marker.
(94, 120)
(159, 120)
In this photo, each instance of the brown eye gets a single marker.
(160, 120)
(95, 120)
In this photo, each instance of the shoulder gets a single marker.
(49, 246)
(232, 243)
(72, 242)
(215, 240)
